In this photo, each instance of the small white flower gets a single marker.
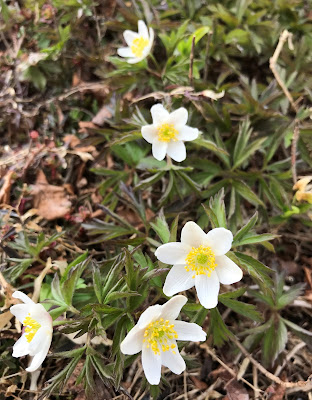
(200, 261)
(140, 43)
(156, 334)
(37, 330)
(168, 133)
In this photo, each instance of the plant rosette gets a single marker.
(37, 330)
(199, 260)
(156, 334)
(168, 132)
(139, 44)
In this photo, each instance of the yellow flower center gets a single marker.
(167, 132)
(159, 335)
(138, 46)
(31, 329)
(201, 260)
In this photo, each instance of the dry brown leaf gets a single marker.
(71, 140)
(5, 318)
(198, 383)
(84, 125)
(50, 201)
(102, 116)
(6, 188)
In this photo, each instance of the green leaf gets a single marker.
(210, 145)
(247, 310)
(97, 282)
(245, 229)
(255, 268)
(302, 333)
(245, 191)
(287, 297)
(274, 341)
(69, 285)
(161, 228)
(216, 210)
(217, 328)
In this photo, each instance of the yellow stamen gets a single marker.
(167, 132)
(31, 329)
(138, 46)
(201, 260)
(158, 335)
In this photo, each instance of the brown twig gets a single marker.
(192, 62)
(230, 370)
(285, 35)
(265, 372)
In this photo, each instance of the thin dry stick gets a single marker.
(255, 382)
(289, 356)
(273, 61)
(192, 62)
(230, 370)
(185, 386)
(266, 372)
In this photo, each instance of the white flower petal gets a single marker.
(176, 150)
(150, 314)
(149, 132)
(172, 308)
(178, 280)
(187, 133)
(133, 342)
(207, 289)
(134, 60)
(159, 114)
(22, 296)
(189, 331)
(21, 347)
(142, 29)
(159, 149)
(192, 234)
(39, 357)
(129, 37)
(172, 361)
(228, 272)
(151, 39)
(220, 240)
(39, 314)
(42, 335)
(20, 311)
(173, 253)
(151, 364)
(178, 117)
(125, 52)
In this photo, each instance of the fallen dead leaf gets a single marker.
(198, 383)
(71, 140)
(102, 116)
(50, 201)
(6, 188)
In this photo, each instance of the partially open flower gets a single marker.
(168, 133)
(37, 330)
(139, 44)
(156, 334)
(200, 261)
(304, 189)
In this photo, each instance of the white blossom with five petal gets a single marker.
(37, 330)
(168, 133)
(199, 260)
(156, 334)
(139, 43)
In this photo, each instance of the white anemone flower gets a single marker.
(199, 260)
(37, 330)
(156, 334)
(139, 44)
(168, 133)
